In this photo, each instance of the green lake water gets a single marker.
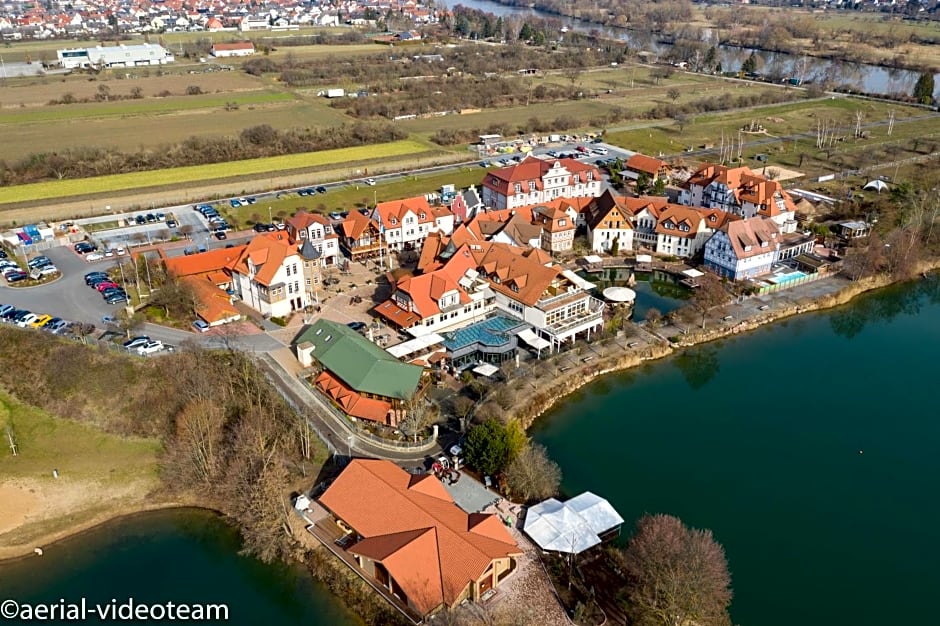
(811, 448)
(182, 556)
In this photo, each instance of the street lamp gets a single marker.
(349, 442)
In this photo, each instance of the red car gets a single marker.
(105, 285)
(582, 149)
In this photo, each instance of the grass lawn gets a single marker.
(179, 175)
(349, 197)
(78, 451)
(779, 120)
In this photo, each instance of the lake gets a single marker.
(809, 447)
(183, 556)
(868, 78)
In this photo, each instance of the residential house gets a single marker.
(743, 249)
(208, 277)
(741, 192)
(640, 164)
(409, 538)
(360, 378)
(609, 224)
(361, 237)
(268, 275)
(406, 223)
(682, 231)
(440, 299)
(536, 181)
(236, 49)
(557, 228)
(854, 229)
(443, 220)
(316, 229)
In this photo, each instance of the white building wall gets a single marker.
(602, 239)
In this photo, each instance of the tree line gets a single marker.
(253, 142)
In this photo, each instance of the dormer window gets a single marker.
(747, 248)
(394, 221)
(423, 216)
(303, 234)
(763, 244)
(531, 185)
(590, 176)
(576, 179)
(713, 218)
(518, 187)
(562, 222)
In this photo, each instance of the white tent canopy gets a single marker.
(533, 340)
(415, 345)
(878, 185)
(486, 369)
(593, 258)
(693, 273)
(573, 526)
(644, 258)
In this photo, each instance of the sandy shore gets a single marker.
(37, 512)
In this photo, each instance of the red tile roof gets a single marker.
(267, 252)
(352, 402)
(430, 547)
(209, 261)
(645, 164)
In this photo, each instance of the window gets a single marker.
(394, 221)
(518, 187)
(531, 185)
(590, 176)
(576, 179)
(303, 234)
(423, 216)
(287, 270)
(562, 222)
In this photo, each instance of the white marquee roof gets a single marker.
(573, 526)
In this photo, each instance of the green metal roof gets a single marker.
(358, 362)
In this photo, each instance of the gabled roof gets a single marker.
(353, 403)
(214, 305)
(601, 208)
(393, 212)
(356, 224)
(429, 546)
(677, 215)
(747, 237)
(239, 45)
(358, 362)
(203, 262)
(267, 252)
(534, 169)
(647, 165)
(507, 264)
(302, 220)
(746, 185)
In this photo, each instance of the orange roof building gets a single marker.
(741, 192)
(412, 539)
(642, 164)
(535, 181)
(269, 275)
(208, 276)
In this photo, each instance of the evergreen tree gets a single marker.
(923, 90)
(750, 64)
(525, 33)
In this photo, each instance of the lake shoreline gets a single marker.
(563, 385)
(45, 542)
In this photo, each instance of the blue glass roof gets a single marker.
(490, 332)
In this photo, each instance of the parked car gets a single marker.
(235, 203)
(5, 308)
(56, 326)
(219, 234)
(41, 321)
(84, 247)
(600, 151)
(305, 192)
(260, 228)
(171, 223)
(150, 347)
(48, 269)
(39, 261)
(251, 200)
(151, 218)
(3, 254)
(92, 275)
(200, 326)
(370, 181)
(117, 299)
(94, 256)
(109, 320)
(321, 189)
(105, 284)
(161, 217)
(15, 277)
(335, 215)
(357, 326)
(27, 320)
(140, 219)
(113, 291)
(135, 342)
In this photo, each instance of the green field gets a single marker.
(76, 450)
(150, 106)
(349, 197)
(206, 173)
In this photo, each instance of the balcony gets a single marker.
(579, 322)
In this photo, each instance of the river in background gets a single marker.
(183, 556)
(809, 447)
(859, 76)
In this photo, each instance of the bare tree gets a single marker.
(673, 94)
(709, 294)
(463, 406)
(653, 317)
(533, 475)
(185, 230)
(420, 413)
(675, 575)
